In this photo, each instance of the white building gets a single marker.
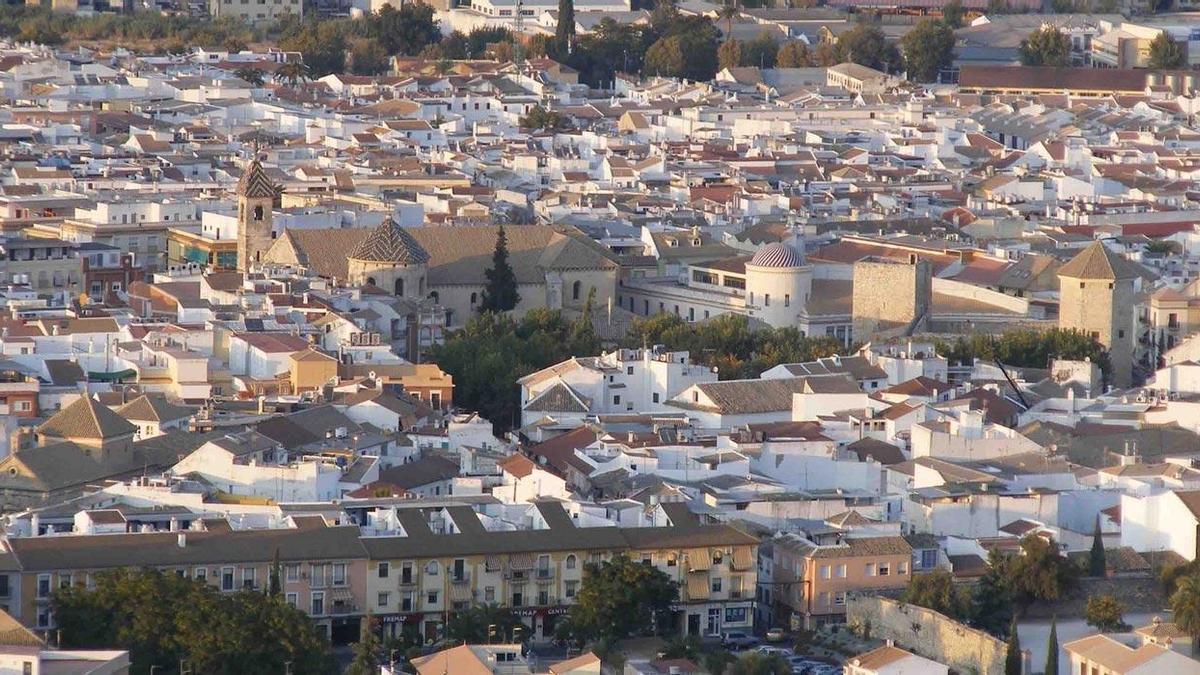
(618, 382)
(1160, 522)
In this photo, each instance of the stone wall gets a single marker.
(928, 633)
(1137, 594)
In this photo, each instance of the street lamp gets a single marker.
(287, 668)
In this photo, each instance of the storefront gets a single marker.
(714, 618)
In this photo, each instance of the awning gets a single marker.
(493, 563)
(114, 376)
(699, 559)
(522, 561)
(697, 586)
(742, 559)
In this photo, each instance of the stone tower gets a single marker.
(1097, 290)
(778, 283)
(256, 195)
(390, 258)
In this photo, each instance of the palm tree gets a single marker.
(292, 72)
(1185, 603)
(729, 12)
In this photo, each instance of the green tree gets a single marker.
(954, 13)
(539, 118)
(1097, 565)
(728, 12)
(482, 624)
(407, 30)
(1040, 573)
(936, 590)
(794, 54)
(688, 49)
(1012, 655)
(368, 57)
(761, 52)
(1165, 53)
(322, 47)
(928, 49)
(866, 45)
(992, 599)
(368, 651)
(564, 32)
(500, 294)
(1106, 613)
(1027, 348)
(1185, 605)
(619, 598)
(729, 54)
(251, 76)
(275, 582)
(162, 618)
(1046, 46)
(1052, 648)
(755, 663)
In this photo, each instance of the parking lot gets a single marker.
(802, 664)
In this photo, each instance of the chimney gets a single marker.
(181, 540)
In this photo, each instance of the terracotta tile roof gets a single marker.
(86, 418)
(1098, 262)
(392, 244)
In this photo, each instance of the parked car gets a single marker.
(775, 635)
(768, 649)
(738, 640)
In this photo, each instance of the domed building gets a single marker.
(778, 283)
(390, 258)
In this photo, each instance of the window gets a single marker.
(839, 598)
(884, 569)
(200, 574)
(318, 603)
(383, 570)
(766, 299)
(406, 602)
(576, 289)
(382, 600)
(929, 559)
(841, 571)
(654, 397)
(716, 585)
(398, 288)
(248, 577)
(787, 299)
(291, 571)
(64, 580)
(431, 597)
(339, 574)
(826, 573)
(258, 212)
(616, 400)
(570, 588)
(227, 578)
(317, 576)
(823, 599)
(43, 586)
(292, 599)
(489, 594)
(901, 568)
(432, 568)
(870, 569)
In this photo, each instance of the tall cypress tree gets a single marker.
(500, 294)
(564, 32)
(1012, 656)
(275, 587)
(1052, 648)
(1097, 565)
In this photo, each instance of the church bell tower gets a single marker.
(256, 195)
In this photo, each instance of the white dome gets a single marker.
(777, 255)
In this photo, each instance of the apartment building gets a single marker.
(453, 560)
(813, 580)
(436, 559)
(46, 265)
(324, 567)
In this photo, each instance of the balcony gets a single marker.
(545, 574)
(463, 577)
(408, 580)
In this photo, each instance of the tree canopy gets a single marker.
(1166, 53)
(619, 598)
(1046, 46)
(1105, 613)
(488, 355)
(1026, 348)
(727, 343)
(162, 618)
(936, 590)
(928, 49)
(866, 45)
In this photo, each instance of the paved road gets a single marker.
(1034, 635)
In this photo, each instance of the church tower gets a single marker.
(1098, 297)
(256, 195)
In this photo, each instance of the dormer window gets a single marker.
(696, 242)
(672, 243)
